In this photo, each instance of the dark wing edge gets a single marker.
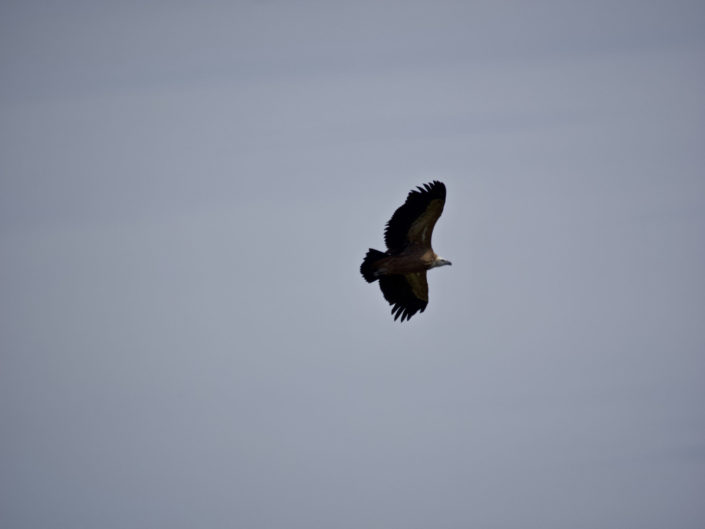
(408, 294)
(396, 233)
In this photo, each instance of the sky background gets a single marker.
(187, 192)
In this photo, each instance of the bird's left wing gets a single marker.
(408, 293)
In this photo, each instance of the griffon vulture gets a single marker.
(401, 270)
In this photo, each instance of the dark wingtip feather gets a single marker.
(406, 312)
(435, 189)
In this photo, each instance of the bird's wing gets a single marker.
(413, 222)
(408, 293)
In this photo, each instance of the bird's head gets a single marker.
(441, 262)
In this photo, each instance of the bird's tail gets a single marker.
(368, 269)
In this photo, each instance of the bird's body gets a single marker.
(401, 270)
(412, 259)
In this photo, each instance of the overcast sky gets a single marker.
(187, 192)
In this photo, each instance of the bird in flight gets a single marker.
(401, 270)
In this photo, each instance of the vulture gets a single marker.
(401, 270)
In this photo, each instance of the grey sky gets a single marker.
(186, 194)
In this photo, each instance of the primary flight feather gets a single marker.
(401, 270)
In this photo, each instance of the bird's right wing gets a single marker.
(413, 222)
